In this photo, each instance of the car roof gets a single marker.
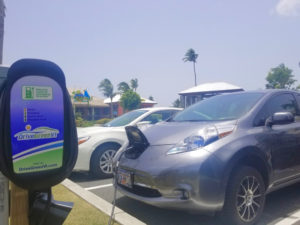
(266, 91)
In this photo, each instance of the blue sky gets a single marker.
(237, 41)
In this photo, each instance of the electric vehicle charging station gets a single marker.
(38, 144)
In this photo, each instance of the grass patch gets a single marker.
(82, 213)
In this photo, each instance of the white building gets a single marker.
(206, 90)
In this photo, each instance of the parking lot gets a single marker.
(281, 206)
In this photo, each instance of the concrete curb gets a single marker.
(120, 216)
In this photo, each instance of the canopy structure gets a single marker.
(206, 90)
(117, 98)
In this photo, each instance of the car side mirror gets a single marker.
(280, 118)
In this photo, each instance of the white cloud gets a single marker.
(288, 7)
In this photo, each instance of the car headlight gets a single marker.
(81, 140)
(202, 138)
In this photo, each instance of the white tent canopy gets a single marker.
(117, 98)
(212, 87)
(206, 90)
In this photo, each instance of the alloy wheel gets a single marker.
(248, 198)
(106, 160)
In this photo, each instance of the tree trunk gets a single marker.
(195, 73)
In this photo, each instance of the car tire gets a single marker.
(101, 160)
(245, 197)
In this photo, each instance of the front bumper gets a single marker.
(187, 181)
(83, 158)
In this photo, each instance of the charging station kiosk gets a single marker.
(38, 139)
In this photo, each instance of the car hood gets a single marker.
(170, 133)
(89, 131)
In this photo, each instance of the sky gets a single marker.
(237, 41)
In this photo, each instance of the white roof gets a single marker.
(145, 100)
(211, 87)
(118, 97)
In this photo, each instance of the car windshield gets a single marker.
(218, 108)
(125, 119)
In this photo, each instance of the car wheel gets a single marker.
(101, 161)
(245, 197)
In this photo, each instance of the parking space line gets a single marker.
(290, 219)
(98, 187)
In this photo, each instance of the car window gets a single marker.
(219, 108)
(125, 119)
(298, 98)
(279, 103)
(159, 116)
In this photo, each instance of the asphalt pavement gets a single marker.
(282, 207)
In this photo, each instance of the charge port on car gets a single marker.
(183, 194)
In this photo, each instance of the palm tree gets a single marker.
(191, 56)
(176, 103)
(134, 84)
(107, 90)
(123, 87)
(2, 15)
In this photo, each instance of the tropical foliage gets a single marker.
(280, 77)
(134, 84)
(107, 90)
(177, 103)
(191, 56)
(130, 100)
(123, 87)
(103, 121)
(80, 122)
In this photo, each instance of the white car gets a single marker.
(98, 145)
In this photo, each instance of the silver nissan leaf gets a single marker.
(223, 154)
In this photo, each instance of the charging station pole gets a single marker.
(18, 205)
(4, 194)
(3, 200)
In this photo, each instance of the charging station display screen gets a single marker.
(37, 124)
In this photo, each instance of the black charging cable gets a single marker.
(115, 189)
(39, 196)
(47, 207)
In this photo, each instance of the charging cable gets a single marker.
(115, 189)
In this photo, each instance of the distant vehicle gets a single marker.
(223, 154)
(98, 145)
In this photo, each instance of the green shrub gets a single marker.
(78, 115)
(103, 121)
(84, 123)
(79, 122)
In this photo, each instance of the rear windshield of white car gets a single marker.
(125, 119)
(218, 108)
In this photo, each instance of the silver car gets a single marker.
(223, 154)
